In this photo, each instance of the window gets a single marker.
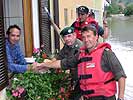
(44, 25)
(66, 16)
(76, 12)
(13, 14)
(71, 14)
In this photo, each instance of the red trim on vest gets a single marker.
(99, 77)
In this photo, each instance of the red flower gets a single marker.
(36, 50)
(18, 92)
(44, 56)
(62, 90)
(15, 93)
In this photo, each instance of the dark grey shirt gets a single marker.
(69, 52)
(109, 62)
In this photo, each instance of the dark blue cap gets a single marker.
(67, 30)
(83, 10)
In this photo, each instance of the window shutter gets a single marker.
(56, 20)
(45, 34)
(3, 66)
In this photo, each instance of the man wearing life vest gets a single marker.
(98, 68)
(85, 18)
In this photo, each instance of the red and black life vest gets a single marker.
(93, 80)
(78, 25)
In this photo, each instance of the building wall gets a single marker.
(99, 5)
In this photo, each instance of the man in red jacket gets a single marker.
(84, 19)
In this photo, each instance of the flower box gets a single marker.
(53, 84)
(41, 86)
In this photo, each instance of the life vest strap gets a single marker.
(109, 81)
(85, 76)
(85, 59)
(87, 92)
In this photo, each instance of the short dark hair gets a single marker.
(11, 27)
(89, 28)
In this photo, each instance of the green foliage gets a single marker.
(128, 10)
(114, 9)
(41, 86)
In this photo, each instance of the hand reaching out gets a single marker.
(41, 67)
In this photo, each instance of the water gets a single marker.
(121, 40)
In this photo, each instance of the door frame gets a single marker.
(28, 31)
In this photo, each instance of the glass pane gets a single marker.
(13, 14)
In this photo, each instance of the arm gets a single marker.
(115, 66)
(50, 64)
(65, 63)
(16, 68)
(106, 29)
(121, 86)
(103, 32)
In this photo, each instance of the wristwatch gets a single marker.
(120, 99)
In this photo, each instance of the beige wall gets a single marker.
(99, 4)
